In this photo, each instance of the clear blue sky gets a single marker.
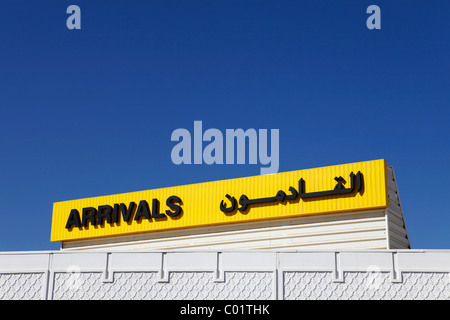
(90, 112)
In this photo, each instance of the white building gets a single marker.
(327, 233)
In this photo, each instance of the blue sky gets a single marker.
(90, 112)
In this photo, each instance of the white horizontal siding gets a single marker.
(398, 234)
(357, 230)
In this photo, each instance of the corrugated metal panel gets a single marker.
(200, 202)
(398, 234)
(355, 230)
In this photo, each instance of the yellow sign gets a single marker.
(347, 187)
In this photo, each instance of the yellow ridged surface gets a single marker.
(201, 201)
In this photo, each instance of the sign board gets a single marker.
(326, 190)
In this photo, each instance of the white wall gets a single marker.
(386, 274)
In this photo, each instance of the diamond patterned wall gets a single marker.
(366, 286)
(21, 286)
(181, 286)
(368, 275)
